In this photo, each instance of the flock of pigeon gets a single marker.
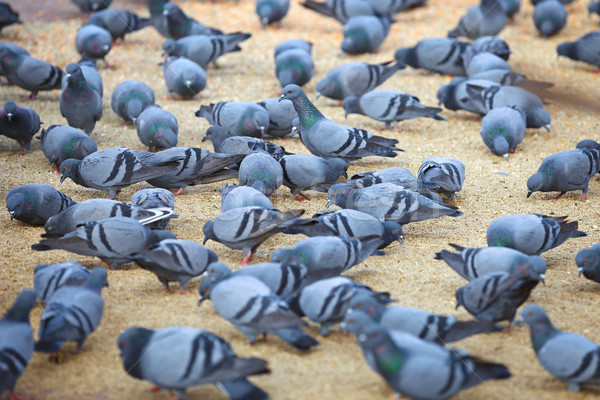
(407, 347)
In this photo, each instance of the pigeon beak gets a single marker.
(165, 12)
(281, 98)
(68, 76)
(205, 240)
(547, 127)
(346, 114)
(202, 299)
(204, 139)
(318, 95)
(262, 129)
(579, 270)
(505, 156)
(105, 47)
(519, 321)
(529, 193)
(9, 116)
(12, 215)
(188, 83)
(133, 120)
(265, 21)
(543, 278)
(62, 178)
(328, 204)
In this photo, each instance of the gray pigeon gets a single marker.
(511, 7)
(35, 203)
(91, 75)
(130, 98)
(355, 79)
(209, 359)
(183, 77)
(224, 143)
(234, 196)
(389, 202)
(471, 263)
(112, 240)
(87, 6)
(260, 171)
(486, 19)
(341, 10)
(447, 173)
(118, 22)
(202, 49)
(496, 296)
(454, 95)
(565, 171)
(115, 168)
(93, 41)
(439, 329)
(549, 17)
(585, 49)
(93, 210)
(61, 142)
(308, 172)
(389, 106)
(79, 103)
(281, 117)
(294, 66)
(72, 313)
(239, 118)
(531, 233)
(154, 198)
(19, 123)
(482, 61)
(197, 166)
(588, 263)
(29, 73)
(365, 33)
(233, 299)
(350, 224)
(157, 128)
(568, 356)
(48, 278)
(16, 341)
(441, 55)
(493, 45)
(175, 260)
(177, 24)
(343, 141)
(502, 129)
(270, 11)
(246, 228)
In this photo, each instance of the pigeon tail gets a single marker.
(296, 338)
(242, 389)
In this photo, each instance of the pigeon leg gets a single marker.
(298, 197)
(14, 396)
(56, 357)
(177, 192)
(558, 196)
(304, 196)
(31, 96)
(582, 197)
(155, 389)
(247, 259)
(22, 153)
(107, 65)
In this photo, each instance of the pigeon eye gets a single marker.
(358, 305)
(205, 291)
(529, 314)
(350, 321)
(333, 195)
(373, 334)
(212, 271)
(121, 344)
(585, 261)
(289, 91)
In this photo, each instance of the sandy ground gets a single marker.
(335, 369)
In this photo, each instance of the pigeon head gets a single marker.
(20, 309)
(208, 231)
(539, 324)
(266, 12)
(355, 43)
(19, 205)
(204, 290)
(156, 7)
(446, 95)
(356, 322)
(132, 342)
(567, 49)
(539, 265)
(338, 193)
(98, 43)
(547, 28)
(10, 108)
(501, 146)
(392, 231)
(97, 279)
(535, 183)
(329, 87)
(337, 168)
(594, 7)
(170, 8)
(133, 109)
(285, 256)
(351, 105)
(75, 77)
(162, 138)
(291, 92)
(539, 118)
(588, 262)
(70, 169)
(216, 271)
(367, 305)
(589, 144)
(216, 134)
(375, 336)
(406, 56)
(169, 47)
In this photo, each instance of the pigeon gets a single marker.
(326, 301)
(183, 77)
(502, 129)
(262, 172)
(246, 228)
(48, 278)
(493, 45)
(16, 341)
(35, 203)
(239, 118)
(308, 172)
(441, 55)
(350, 224)
(19, 123)
(79, 103)
(157, 128)
(234, 299)
(93, 210)
(344, 142)
(119, 22)
(531, 234)
(29, 73)
(130, 98)
(178, 24)
(154, 198)
(93, 41)
(112, 240)
(511, 7)
(328, 256)
(447, 173)
(454, 95)
(115, 168)
(87, 6)
(482, 61)
(433, 328)
(496, 296)
(271, 11)
(355, 79)
(365, 33)
(281, 116)
(389, 106)
(234, 196)
(471, 263)
(340, 10)
(294, 66)
(565, 171)
(61, 142)
(486, 19)
(549, 17)
(588, 263)
(91, 75)
(175, 260)
(8, 16)
(389, 202)
(203, 49)
(568, 356)
(585, 49)
(224, 143)
(423, 374)
(157, 356)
